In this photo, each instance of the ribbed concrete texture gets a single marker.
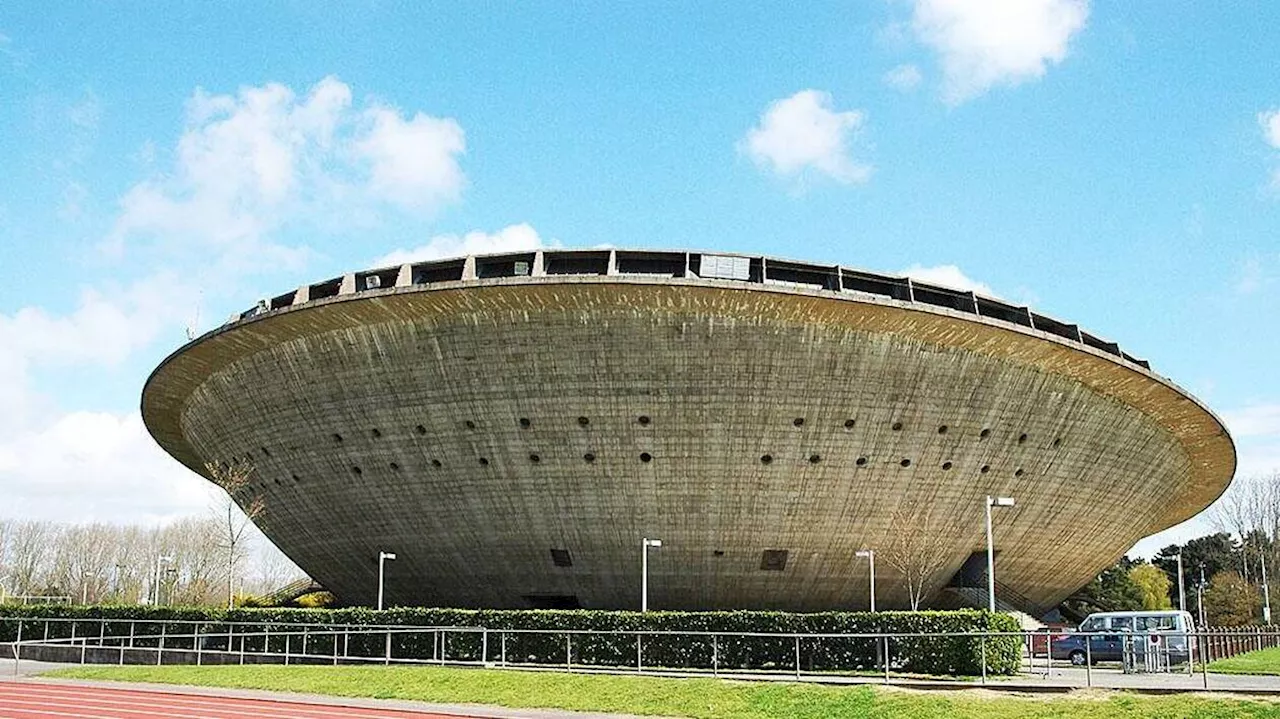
(513, 437)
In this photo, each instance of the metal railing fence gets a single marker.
(825, 657)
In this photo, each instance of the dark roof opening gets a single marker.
(773, 560)
(552, 601)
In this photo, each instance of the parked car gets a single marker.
(1102, 635)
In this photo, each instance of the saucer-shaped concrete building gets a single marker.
(512, 426)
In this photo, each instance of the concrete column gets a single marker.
(348, 286)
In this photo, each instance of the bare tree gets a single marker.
(240, 508)
(1252, 504)
(6, 528)
(29, 549)
(916, 547)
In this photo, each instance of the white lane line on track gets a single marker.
(269, 708)
(44, 714)
(46, 707)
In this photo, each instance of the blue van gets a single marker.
(1166, 631)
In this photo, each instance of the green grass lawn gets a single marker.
(701, 698)
(1263, 661)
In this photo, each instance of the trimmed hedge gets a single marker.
(924, 655)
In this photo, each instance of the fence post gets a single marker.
(195, 639)
(984, 657)
(304, 640)
(797, 657)
(568, 652)
(886, 659)
(386, 658)
(504, 649)
(242, 638)
(1048, 652)
(346, 640)
(1088, 660)
(1204, 668)
(484, 646)
(639, 654)
(160, 648)
(131, 628)
(715, 655)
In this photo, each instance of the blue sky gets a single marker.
(162, 165)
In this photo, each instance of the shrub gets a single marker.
(957, 655)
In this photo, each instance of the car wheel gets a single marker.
(1077, 658)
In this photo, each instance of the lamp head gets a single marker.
(653, 542)
(386, 555)
(1002, 501)
(865, 553)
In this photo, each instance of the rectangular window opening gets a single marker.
(504, 266)
(321, 290)
(576, 263)
(561, 558)
(773, 560)
(430, 272)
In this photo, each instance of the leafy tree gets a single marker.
(1230, 601)
(1214, 553)
(1113, 590)
(1154, 585)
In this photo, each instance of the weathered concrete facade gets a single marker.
(474, 415)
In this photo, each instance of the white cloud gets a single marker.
(250, 163)
(985, 43)
(95, 466)
(413, 161)
(1270, 122)
(509, 239)
(904, 78)
(802, 133)
(949, 276)
(1261, 420)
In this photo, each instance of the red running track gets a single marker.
(31, 700)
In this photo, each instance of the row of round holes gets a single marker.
(589, 457)
(644, 420)
(646, 458)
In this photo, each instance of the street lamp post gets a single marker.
(1200, 596)
(1182, 592)
(167, 559)
(382, 559)
(644, 570)
(870, 554)
(84, 586)
(172, 582)
(1266, 593)
(991, 558)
